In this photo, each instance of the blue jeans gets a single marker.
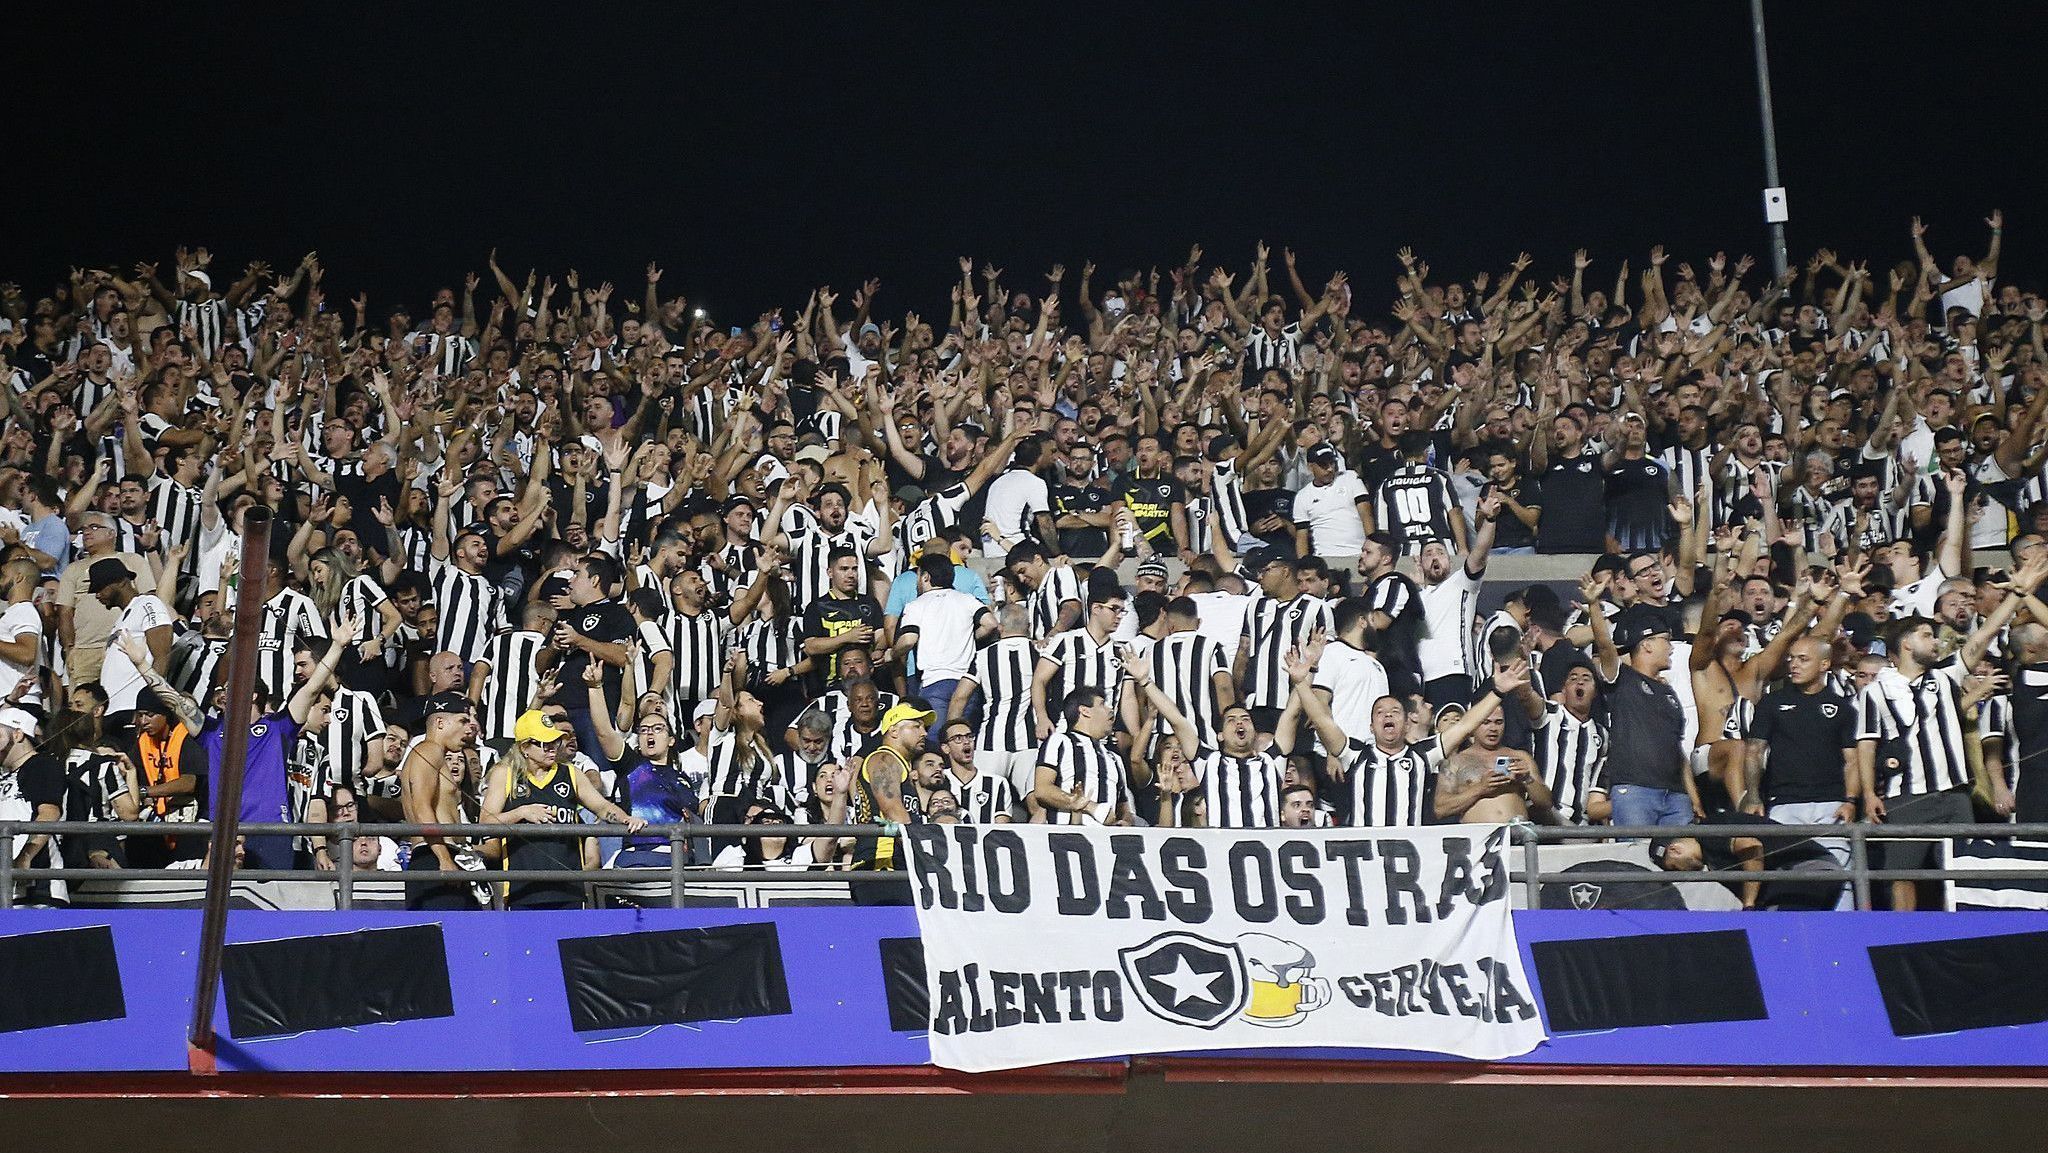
(938, 695)
(1641, 805)
(586, 734)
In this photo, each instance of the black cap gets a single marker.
(735, 501)
(1322, 454)
(147, 701)
(1256, 560)
(448, 702)
(1639, 628)
(105, 573)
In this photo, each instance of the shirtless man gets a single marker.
(1487, 783)
(1726, 687)
(432, 794)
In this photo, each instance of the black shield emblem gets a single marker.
(1186, 979)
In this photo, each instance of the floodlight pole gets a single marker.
(1776, 211)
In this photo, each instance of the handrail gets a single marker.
(1528, 871)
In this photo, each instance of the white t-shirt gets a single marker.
(1917, 599)
(121, 679)
(1220, 617)
(944, 620)
(1356, 679)
(1447, 613)
(1014, 499)
(18, 621)
(1330, 512)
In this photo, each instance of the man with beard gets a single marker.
(1449, 595)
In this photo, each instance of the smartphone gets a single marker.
(735, 330)
(775, 324)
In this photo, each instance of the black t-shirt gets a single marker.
(606, 621)
(1638, 496)
(525, 557)
(1806, 734)
(596, 491)
(1508, 529)
(1648, 727)
(1574, 506)
(1260, 503)
(1086, 540)
(1151, 501)
(41, 780)
(829, 616)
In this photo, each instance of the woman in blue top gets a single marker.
(654, 789)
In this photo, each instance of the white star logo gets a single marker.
(1188, 985)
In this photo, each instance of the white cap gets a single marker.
(200, 277)
(704, 709)
(20, 720)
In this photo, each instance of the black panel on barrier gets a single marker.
(910, 1002)
(80, 980)
(1659, 979)
(636, 980)
(1965, 983)
(368, 977)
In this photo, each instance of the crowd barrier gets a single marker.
(759, 984)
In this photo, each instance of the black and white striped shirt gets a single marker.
(1688, 467)
(512, 681)
(287, 618)
(811, 552)
(1059, 586)
(198, 662)
(937, 511)
(206, 319)
(1003, 672)
(1570, 754)
(699, 644)
(771, 645)
(352, 720)
(1227, 490)
(1184, 666)
(1241, 792)
(1274, 627)
(1918, 725)
(176, 508)
(472, 611)
(736, 770)
(1263, 350)
(984, 797)
(1390, 788)
(1091, 766)
(1083, 663)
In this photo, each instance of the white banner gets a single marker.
(1046, 943)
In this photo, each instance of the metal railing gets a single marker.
(1529, 873)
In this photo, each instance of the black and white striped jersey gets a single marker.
(1226, 488)
(471, 608)
(176, 507)
(771, 645)
(1240, 792)
(1059, 586)
(207, 319)
(1003, 673)
(699, 643)
(1390, 788)
(984, 797)
(1263, 349)
(198, 662)
(1918, 725)
(1274, 627)
(360, 598)
(737, 768)
(1688, 467)
(1083, 663)
(1184, 666)
(288, 617)
(811, 548)
(352, 719)
(1570, 754)
(1091, 766)
(511, 680)
(935, 512)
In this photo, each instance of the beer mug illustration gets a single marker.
(1284, 989)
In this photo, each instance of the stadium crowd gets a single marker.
(550, 552)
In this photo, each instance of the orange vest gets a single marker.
(160, 762)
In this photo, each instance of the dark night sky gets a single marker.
(758, 152)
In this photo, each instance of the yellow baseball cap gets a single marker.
(532, 726)
(898, 713)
